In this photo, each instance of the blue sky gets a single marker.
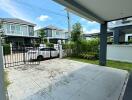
(43, 13)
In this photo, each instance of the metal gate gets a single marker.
(16, 56)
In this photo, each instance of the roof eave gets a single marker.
(79, 9)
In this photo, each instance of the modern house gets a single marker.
(96, 35)
(54, 34)
(122, 30)
(17, 31)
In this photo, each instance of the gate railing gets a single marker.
(19, 56)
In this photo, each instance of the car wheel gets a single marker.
(40, 58)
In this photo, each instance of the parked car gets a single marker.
(42, 53)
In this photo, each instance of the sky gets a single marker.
(43, 13)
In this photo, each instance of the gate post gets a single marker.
(11, 48)
(2, 89)
(60, 49)
(24, 55)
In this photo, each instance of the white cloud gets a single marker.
(37, 27)
(85, 31)
(87, 21)
(43, 17)
(9, 7)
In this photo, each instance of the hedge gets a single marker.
(85, 49)
(6, 49)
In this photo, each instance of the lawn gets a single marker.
(115, 64)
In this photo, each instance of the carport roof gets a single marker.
(100, 10)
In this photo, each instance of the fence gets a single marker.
(119, 53)
(19, 56)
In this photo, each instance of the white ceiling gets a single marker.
(107, 10)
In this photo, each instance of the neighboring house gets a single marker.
(96, 35)
(17, 31)
(122, 30)
(90, 36)
(118, 31)
(54, 34)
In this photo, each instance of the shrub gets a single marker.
(89, 45)
(69, 48)
(70, 45)
(50, 44)
(130, 41)
(36, 44)
(84, 48)
(6, 49)
(89, 55)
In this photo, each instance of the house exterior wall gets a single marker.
(19, 33)
(12, 29)
(119, 53)
(54, 34)
(127, 37)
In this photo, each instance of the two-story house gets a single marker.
(122, 30)
(54, 34)
(17, 31)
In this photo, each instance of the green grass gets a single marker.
(114, 64)
(6, 80)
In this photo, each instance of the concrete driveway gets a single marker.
(62, 79)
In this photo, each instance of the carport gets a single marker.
(101, 11)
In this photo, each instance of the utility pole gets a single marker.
(2, 89)
(69, 22)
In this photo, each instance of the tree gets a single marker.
(76, 32)
(42, 35)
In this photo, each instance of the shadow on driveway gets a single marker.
(128, 92)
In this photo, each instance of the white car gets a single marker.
(42, 53)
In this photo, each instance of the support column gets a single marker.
(2, 89)
(122, 37)
(103, 44)
(116, 36)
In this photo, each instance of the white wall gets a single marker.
(119, 52)
(126, 37)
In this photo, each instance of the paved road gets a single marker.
(128, 92)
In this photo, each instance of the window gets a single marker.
(45, 49)
(57, 33)
(49, 33)
(52, 49)
(31, 31)
(24, 30)
(18, 29)
(12, 29)
(8, 29)
(46, 33)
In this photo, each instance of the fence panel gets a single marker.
(20, 56)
